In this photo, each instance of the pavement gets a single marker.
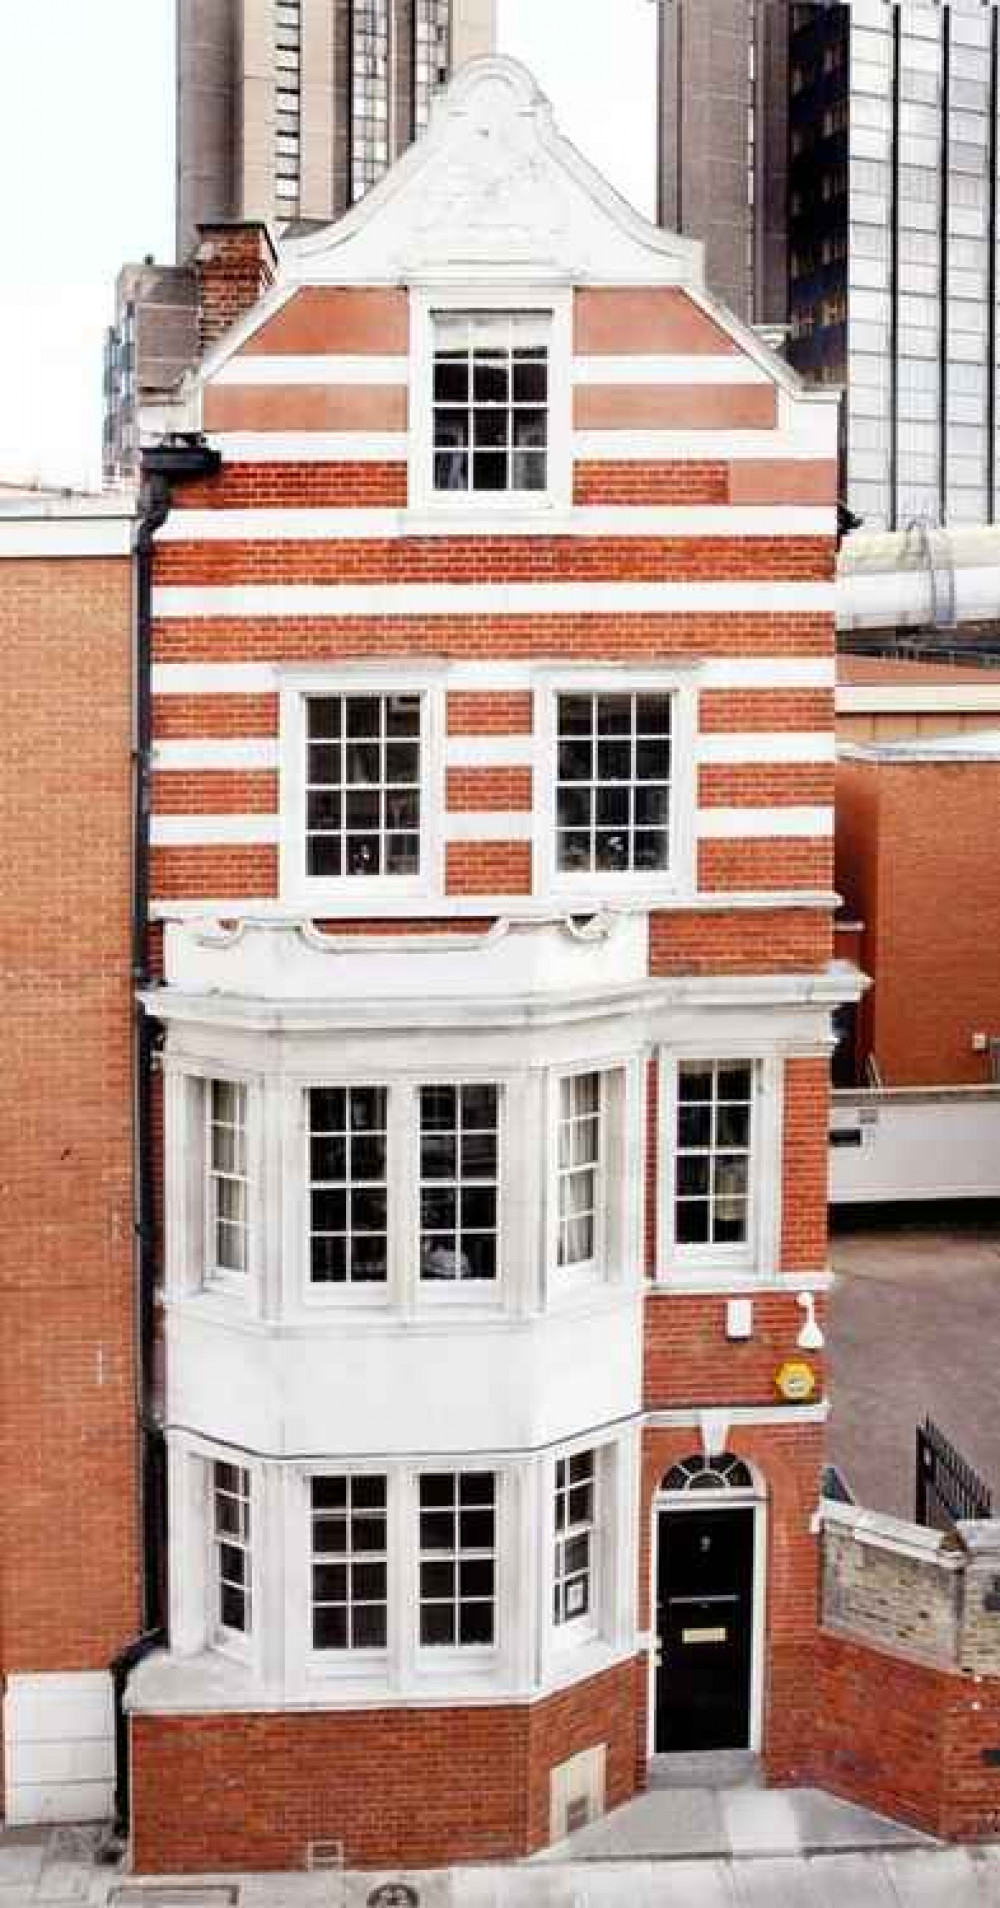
(914, 1327)
(672, 1848)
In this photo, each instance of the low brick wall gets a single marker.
(907, 1717)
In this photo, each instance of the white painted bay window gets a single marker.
(595, 1191)
(232, 1554)
(227, 1179)
(349, 1562)
(348, 1190)
(459, 1183)
(580, 1189)
(458, 1559)
(574, 1585)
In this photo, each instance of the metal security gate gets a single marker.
(948, 1488)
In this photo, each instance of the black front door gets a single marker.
(704, 1626)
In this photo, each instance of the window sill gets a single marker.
(687, 1281)
(497, 517)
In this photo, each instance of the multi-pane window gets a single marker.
(231, 1530)
(458, 1557)
(459, 1168)
(228, 1187)
(491, 398)
(613, 784)
(714, 1104)
(575, 1526)
(350, 1586)
(363, 785)
(348, 1189)
(579, 1164)
(369, 93)
(431, 55)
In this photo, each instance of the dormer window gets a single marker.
(491, 402)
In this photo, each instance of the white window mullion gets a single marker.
(404, 1196)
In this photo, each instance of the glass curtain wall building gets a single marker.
(880, 254)
(892, 248)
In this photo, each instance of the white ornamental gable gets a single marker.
(492, 189)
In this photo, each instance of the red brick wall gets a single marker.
(805, 1165)
(235, 266)
(689, 1359)
(411, 1787)
(917, 1751)
(916, 857)
(68, 1564)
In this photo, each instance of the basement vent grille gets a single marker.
(576, 1792)
(198, 1895)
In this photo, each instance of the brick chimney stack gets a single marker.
(236, 263)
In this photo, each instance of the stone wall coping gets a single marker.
(981, 1538)
(943, 1548)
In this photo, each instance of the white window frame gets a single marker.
(216, 1275)
(352, 894)
(579, 1627)
(758, 1257)
(462, 1291)
(362, 1658)
(403, 1292)
(618, 1232)
(583, 1271)
(679, 881)
(450, 1657)
(349, 1291)
(482, 509)
(234, 1642)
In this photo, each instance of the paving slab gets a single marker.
(774, 1881)
(851, 1881)
(953, 1878)
(21, 1861)
(761, 1822)
(679, 1821)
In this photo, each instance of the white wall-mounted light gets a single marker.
(810, 1337)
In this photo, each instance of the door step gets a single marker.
(706, 1769)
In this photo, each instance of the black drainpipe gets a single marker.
(180, 458)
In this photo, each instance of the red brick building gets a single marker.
(916, 826)
(492, 861)
(69, 1565)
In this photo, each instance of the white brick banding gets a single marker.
(597, 520)
(492, 599)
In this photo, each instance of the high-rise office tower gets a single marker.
(893, 232)
(722, 144)
(289, 110)
(891, 121)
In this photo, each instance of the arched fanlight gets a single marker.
(698, 1473)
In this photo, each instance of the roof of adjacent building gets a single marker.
(968, 745)
(42, 520)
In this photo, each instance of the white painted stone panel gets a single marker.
(443, 1385)
(58, 1732)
